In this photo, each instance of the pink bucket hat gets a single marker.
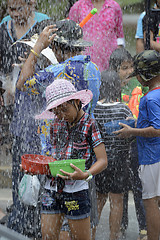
(61, 91)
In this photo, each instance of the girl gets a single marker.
(73, 134)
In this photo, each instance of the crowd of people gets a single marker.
(71, 103)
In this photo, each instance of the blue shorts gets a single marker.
(73, 205)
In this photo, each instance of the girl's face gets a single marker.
(125, 69)
(66, 111)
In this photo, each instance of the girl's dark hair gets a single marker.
(117, 57)
(110, 88)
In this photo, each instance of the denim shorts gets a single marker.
(74, 205)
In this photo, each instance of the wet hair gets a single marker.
(117, 57)
(64, 48)
(110, 88)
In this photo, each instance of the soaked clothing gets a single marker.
(113, 179)
(22, 219)
(9, 54)
(104, 29)
(82, 73)
(149, 115)
(26, 107)
(150, 174)
(78, 143)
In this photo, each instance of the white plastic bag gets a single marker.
(28, 191)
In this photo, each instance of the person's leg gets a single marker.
(150, 178)
(51, 225)
(23, 219)
(136, 187)
(64, 235)
(80, 229)
(116, 211)
(101, 200)
(124, 223)
(65, 230)
(139, 206)
(152, 218)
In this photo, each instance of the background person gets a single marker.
(154, 28)
(139, 31)
(22, 25)
(146, 68)
(112, 181)
(104, 29)
(121, 65)
(36, 15)
(73, 66)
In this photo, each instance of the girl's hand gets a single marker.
(125, 132)
(76, 175)
(45, 38)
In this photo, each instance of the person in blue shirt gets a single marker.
(139, 34)
(74, 66)
(147, 70)
(140, 31)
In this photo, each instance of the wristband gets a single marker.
(36, 54)
(89, 177)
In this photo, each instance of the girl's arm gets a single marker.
(101, 162)
(127, 132)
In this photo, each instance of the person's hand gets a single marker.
(22, 59)
(45, 38)
(132, 118)
(1, 101)
(125, 132)
(78, 174)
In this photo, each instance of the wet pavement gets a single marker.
(103, 228)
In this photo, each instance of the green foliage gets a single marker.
(124, 3)
(56, 9)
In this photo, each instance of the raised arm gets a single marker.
(28, 68)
